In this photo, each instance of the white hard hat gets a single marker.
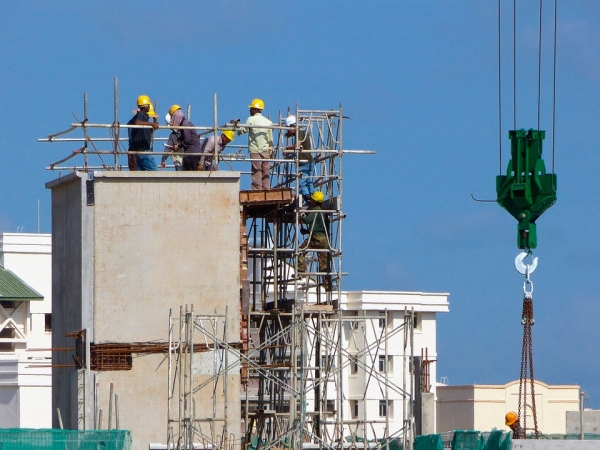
(290, 120)
(168, 119)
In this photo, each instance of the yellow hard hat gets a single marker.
(143, 100)
(151, 112)
(173, 109)
(318, 196)
(511, 417)
(257, 103)
(230, 134)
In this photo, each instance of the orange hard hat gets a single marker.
(511, 417)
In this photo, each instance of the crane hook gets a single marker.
(522, 268)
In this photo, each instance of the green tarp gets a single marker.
(53, 439)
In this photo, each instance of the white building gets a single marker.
(366, 352)
(25, 330)
(384, 353)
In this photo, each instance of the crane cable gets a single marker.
(539, 86)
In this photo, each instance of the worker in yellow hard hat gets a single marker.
(512, 421)
(208, 147)
(140, 139)
(189, 141)
(317, 229)
(260, 144)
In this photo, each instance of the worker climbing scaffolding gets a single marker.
(526, 192)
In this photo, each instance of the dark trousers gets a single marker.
(190, 162)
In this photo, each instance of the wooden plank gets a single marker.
(313, 307)
(265, 197)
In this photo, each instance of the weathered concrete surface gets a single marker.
(72, 282)
(532, 444)
(150, 242)
(160, 243)
(591, 422)
(428, 413)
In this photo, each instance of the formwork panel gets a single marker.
(161, 244)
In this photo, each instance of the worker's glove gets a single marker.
(304, 231)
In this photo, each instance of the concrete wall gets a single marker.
(454, 408)
(532, 444)
(72, 256)
(591, 422)
(150, 242)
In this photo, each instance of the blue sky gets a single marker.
(419, 80)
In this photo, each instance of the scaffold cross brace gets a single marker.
(522, 268)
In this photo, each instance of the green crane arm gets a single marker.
(526, 191)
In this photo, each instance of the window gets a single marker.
(416, 321)
(386, 367)
(7, 333)
(331, 406)
(386, 409)
(381, 319)
(353, 365)
(8, 304)
(354, 408)
(48, 322)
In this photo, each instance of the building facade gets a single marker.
(25, 330)
(392, 331)
(483, 407)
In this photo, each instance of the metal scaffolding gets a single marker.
(308, 368)
(298, 371)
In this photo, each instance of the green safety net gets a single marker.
(55, 439)
(468, 439)
(465, 440)
(429, 442)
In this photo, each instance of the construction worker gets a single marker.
(317, 237)
(208, 147)
(188, 139)
(260, 144)
(140, 139)
(305, 157)
(512, 421)
(172, 145)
